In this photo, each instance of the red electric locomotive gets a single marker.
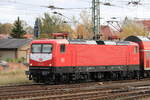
(60, 60)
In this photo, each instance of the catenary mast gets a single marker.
(96, 18)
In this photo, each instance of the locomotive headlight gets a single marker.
(30, 64)
(50, 64)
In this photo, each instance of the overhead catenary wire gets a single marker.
(32, 7)
(45, 6)
(59, 8)
(86, 1)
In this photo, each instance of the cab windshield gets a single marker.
(41, 48)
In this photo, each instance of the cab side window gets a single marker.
(135, 50)
(62, 48)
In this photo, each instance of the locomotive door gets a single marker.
(73, 57)
(147, 60)
(62, 55)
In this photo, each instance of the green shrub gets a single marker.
(16, 60)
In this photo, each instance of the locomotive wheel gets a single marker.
(35, 79)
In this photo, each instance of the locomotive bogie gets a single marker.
(84, 76)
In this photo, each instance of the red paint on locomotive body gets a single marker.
(88, 54)
(45, 59)
(60, 60)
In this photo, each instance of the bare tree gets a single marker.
(83, 29)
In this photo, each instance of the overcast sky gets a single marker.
(28, 10)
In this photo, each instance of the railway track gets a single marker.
(118, 90)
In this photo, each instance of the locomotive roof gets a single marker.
(61, 41)
(82, 42)
(64, 41)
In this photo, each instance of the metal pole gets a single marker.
(93, 16)
(96, 18)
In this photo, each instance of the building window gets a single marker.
(62, 48)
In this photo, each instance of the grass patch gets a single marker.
(146, 98)
(13, 77)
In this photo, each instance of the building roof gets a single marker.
(4, 36)
(28, 36)
(13, 43)
(108, 31)
(146, 24)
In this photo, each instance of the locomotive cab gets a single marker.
(42, 58)
(41, 53)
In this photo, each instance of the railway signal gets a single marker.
(37, 28)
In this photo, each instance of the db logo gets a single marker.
(40, 59)
(62, 60)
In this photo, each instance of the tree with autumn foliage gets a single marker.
(131, 27)
(53, 24)
(6, 28)
(83, 30)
